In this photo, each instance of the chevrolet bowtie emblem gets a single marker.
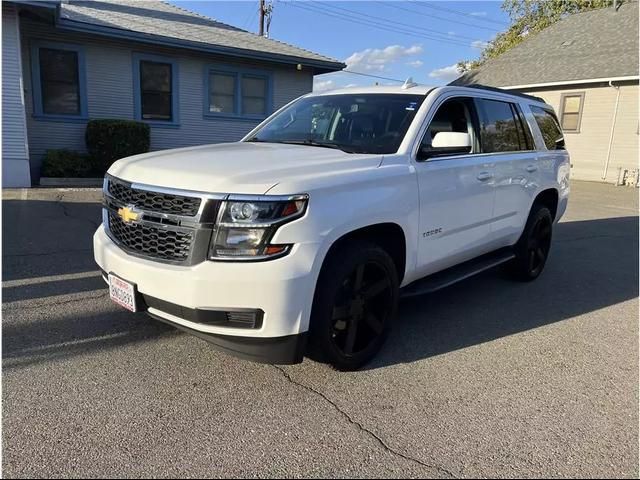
(127, 214)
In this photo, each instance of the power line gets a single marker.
(370, 23)
(458, 12)
(372, 76)
(403, 25)
(430, 15)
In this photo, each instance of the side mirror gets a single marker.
(446, 143)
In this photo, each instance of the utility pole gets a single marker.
(261, 28)
(266, 10)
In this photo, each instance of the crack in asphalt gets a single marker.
(66, 213)
(361, 427)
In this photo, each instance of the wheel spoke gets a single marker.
(374, 323)
(340, 312)
(532, 260)
(359, 276)
(375, 289)
(352, 332)
(545, 231)
(540, 254)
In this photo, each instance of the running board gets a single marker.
(457, 273)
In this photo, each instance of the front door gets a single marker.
(456, 192)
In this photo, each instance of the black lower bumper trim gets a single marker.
(286, 350)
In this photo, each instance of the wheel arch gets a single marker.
(549, 198)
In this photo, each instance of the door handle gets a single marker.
(482, 176)
(531, 168)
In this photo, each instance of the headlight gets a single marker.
(246, 225)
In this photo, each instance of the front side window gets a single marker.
(571, 111)
(156, 90)
(454, 115)
(58, 80)
(549, 127)
(366, 123)
(237, 94)
(500, 127)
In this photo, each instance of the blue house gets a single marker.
(193, 79)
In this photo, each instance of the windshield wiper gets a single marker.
(313, 143)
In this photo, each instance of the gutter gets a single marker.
(613, 127)
(572, 82)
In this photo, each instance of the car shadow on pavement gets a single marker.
(593, 264)
(46, 339)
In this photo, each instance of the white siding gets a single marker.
(109, 73)
(15, 155)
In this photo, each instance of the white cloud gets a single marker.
(479, 44)
(478, 14)
(445, 74)
(320, 85)
(377, 59)
(416, 63)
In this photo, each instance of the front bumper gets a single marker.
(282, 289)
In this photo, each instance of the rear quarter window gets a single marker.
(549, 127)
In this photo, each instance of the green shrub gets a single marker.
(110, 140)
(66, 163)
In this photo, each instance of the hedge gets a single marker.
(67, 163)
(110, 140)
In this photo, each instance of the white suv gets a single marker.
(302, 237)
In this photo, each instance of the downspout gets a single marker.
(613, 127)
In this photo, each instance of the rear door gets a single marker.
(505, 136)
(456, 191)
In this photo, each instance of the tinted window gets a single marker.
(549, 127)
(59, 81)
(500, 130)
(155, 90)
(366, 123)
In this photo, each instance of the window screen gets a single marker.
(254, 95)
(222, 93)
(571, 112)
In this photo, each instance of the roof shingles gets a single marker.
(162, 19)
(596, 44)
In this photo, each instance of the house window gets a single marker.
(58, 80)
(571, 111)
(244, 94)
(156, 89)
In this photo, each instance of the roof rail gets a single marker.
(501, 90)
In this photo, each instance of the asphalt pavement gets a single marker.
(488, 378)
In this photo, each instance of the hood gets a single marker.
(250, 168)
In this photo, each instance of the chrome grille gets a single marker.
(151, 241)
(153, 201)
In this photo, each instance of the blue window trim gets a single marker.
(36, 86)
(175, 92)
(238, 73)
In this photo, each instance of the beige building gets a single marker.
(586, 67)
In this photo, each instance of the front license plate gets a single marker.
(123, 293)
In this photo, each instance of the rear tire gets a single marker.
(532, 249)
(354, 305)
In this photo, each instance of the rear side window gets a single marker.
(549, 127)
(500, 127)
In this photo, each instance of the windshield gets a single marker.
(366, 123)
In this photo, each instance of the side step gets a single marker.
(454, 274)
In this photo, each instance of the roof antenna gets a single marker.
(409, 83)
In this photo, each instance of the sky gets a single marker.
(394, 39)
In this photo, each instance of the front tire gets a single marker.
(355, 302)
(532, 249)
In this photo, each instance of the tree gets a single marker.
(529, 17)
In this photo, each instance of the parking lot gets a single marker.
(486, 378)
